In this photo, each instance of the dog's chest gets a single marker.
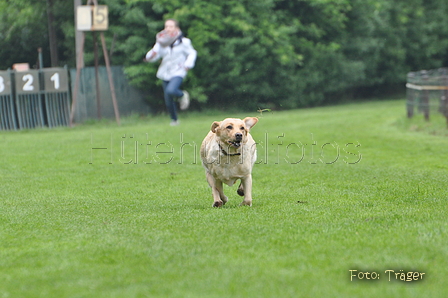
(230, 171)
(229, 168)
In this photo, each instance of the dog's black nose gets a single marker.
(238, 136)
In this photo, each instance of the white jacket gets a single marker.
(175, 59)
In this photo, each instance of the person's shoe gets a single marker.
(174, 122)
(184, 101)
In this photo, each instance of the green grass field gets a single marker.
(105, 211)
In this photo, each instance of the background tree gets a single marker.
(21, 32)
(266, 53)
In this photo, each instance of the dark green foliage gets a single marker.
(253, 54)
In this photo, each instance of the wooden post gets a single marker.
(52, 34)
(109, 74)
(78, 39)
(410, 96)
(111, 82)
(78, 75)
(97, 81)
(425, 96)
(444, 103)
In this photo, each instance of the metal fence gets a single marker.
(57, 96)
(34, 98)
(8, 119)
(427, 91)
(30, 112)
(42, 98)
(130, 100)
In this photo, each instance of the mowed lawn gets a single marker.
(102, 210)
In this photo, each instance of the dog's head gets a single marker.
(233, 132)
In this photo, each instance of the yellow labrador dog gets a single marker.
(228, 153)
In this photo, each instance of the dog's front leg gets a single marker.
(247, 186)
(219, 199)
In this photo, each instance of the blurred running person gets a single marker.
(178, 57)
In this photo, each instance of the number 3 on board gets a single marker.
(2, 84)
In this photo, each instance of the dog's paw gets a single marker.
(246, 203)
(240, 192)
(224, 200)
(218, 204)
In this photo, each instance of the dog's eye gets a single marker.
(229, 127)
(242, 128)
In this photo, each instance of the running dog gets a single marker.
(228, 153)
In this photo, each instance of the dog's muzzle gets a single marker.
(237, 142)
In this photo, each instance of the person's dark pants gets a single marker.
(171, 90)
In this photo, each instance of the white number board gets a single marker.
(27, 82)
(92, 18)
(55, 79)
(5, 83)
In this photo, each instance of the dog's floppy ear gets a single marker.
(215, 126)
(250, 122)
